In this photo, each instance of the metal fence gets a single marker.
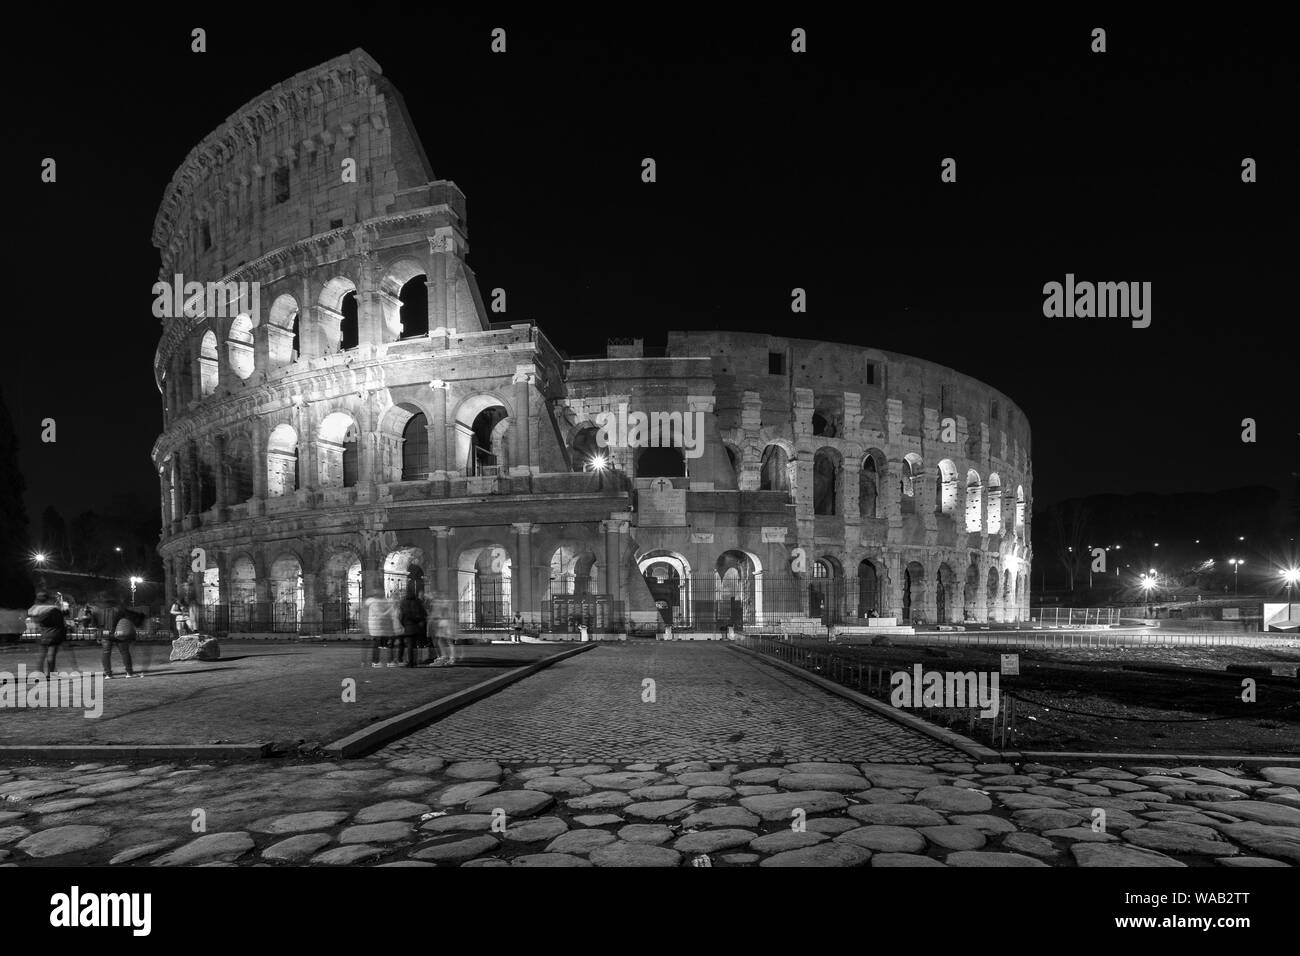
(1075, 616)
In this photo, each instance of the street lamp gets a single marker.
(1290, 576)
(1148, 583)
(1236, 565)
(134, 582)
(39, 558)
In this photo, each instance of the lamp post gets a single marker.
(134, 582)
(1148, 582)
(1236, 565)
(1290, 576)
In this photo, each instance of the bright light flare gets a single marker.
(598, 462)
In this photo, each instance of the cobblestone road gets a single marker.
(710, 703)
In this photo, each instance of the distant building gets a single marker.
(360, 424)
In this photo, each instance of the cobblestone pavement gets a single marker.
(424, 811)
(709, 703)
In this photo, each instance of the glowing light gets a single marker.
(1291, 575)
(598, 462)
(38, 557)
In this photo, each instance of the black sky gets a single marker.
(775, 171)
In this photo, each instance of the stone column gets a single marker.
(440, 318)
(191, 465)
(520, 446)
(438, 430)
(223, 502)
(524, 572)
(442, 558)
(365, 487)
(258, 439)
(308, 464)
(612, 578)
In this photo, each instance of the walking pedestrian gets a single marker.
(48, 616)
(413, 619)
(517, 629)
(382, 625)
(119, 632)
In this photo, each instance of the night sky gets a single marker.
(775, 170)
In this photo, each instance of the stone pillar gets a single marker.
(223, 502)
(438, 430)
(258, 440)
(169, 586)
(521, 462)
(366, 450)
(442, 559)
(441, 321)
(612, 577)
(191, 481)
(165, 498)
(524, 571)
(308, 463)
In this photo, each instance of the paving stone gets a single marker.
(140, 852)
(688, 766)
(954, 766)
(712, 841)
(535, 831)
(370, 775)
(954, 800)
(1105, 773)
(61, 806)
(660, 809)
(462, 793)
(391, 810)
(8, 815)
(459, 823)
(409, 863)
(1114, 854)
(984, 822)
(897, 814)
(882, 796)
(1084, 834)
(832, 853)
(30, 790)
(999, 768)
(598, 819)
(299, 822)
(407, 788)
(1011, 780)
(417, 764)
(1048, 819)
(1248, 861)
(721, 817)
(568, 786)
(1092, 790)
(713, 778)
(1279, 841)
(779, 806)
(831, 825)
(894, 777)
(1185, 828)
(57, 841)
(537, 859)
(475, 770)
(1122, 786)
(391, 832)
(651, 833)
(515, 803)
(821, 766)
(211, 847)
(634, 854)
(456, 851)
(1030, 801)
(642, 766)
(885, 839)
(1284, 799)
(1182, 816)
(844, 782)
(606, 800)
(903, 859)
(587, 769)
(739, 859)
(761, 775)
(623, 780)
(954, 837)
(580, 842)
(1290, 776)
(1259, 811)
(661, 791)
(783, 840)
(754, 789)
(710, 793)
(1199, 792)
(985, 858)
(12, 834)
(349, 855)
(1169, 842)
(296, 848)
(1030, 844)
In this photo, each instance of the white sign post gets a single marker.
(1010, 665)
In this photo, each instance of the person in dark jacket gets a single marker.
(119, 632)
(48, 616)
(413, 618)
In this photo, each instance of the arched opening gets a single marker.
(349, 325)
(243, 582)
(995, 504)
(774, 470)
(945, 488)
(660, 463)
(402, 444)
(208, 364)
(415, 448)
(211, 586)
(974, 500)
(971, 592)
(913, 591)
(282, 462)
(945, 587)
(207, 479)
(238, 465)
(337, 441)
(414, 314)
(574, 572)
(484, 577)
(282, 334)
(991, 596)
(1020, 510)
(869, 485)
(824, 591)
(239, 346)
(668, 576)
(286, 593)
(343, 596)
(481, 425)
(739, 589)
(404, 570)
(825, 482)
(912, 468)
(870, 596)
(585, 449)
(338, 314)
(823, 425)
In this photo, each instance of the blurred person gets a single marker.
(120, 632)
(382, 624)
(48, 616)
(412, 619)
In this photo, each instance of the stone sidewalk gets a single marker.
(709, 703)
(423, 811)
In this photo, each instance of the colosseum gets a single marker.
(358, 423)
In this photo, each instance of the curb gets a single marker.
(1042, 756)
(138, 751)
(948, 737)
(371, 738)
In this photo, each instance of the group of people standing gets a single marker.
(117, 629)
(400, 629)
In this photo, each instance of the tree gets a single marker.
(1070, 524)
(15, 580)
(54, 535)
